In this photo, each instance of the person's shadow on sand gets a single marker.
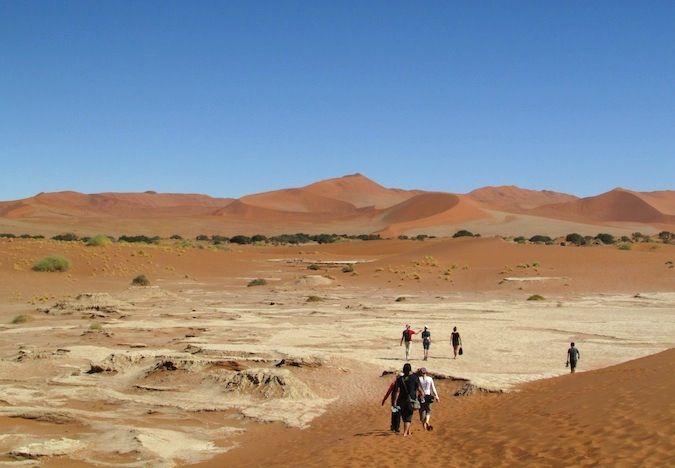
(375, 434)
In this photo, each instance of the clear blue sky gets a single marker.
(233, 97)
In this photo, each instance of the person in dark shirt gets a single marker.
(456, 340)
(407, 395)
(426, 341)
(573, 356)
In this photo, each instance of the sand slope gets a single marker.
(352, 204)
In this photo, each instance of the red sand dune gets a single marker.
(352, 204)
(510, 197)
(360, 191)
(617, 205)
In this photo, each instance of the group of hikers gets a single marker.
(411, 391)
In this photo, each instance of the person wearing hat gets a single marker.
(430, 395)
(426, 341)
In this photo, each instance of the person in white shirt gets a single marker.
(430, 395)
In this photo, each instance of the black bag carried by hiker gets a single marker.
(395, 418)
(461, 351)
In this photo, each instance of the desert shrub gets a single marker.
(314, 299)
(52, 263)
(519, 240)
(624, 246)
(638, 237)
(314, 267)
(20, 319)
(258, 238)
(626, 239)
(605, 238)
(400, 299)
(176, 237)
(139, 239)
(140, 280)
(539, 239)
(463, 233)
(240, 240)
(421, 237)
(402, 237)
(535, 297)
(7, 235)
(95, 326)
(257, 282)
(68, 237)
(368, 237)
(348, 268)
(202, 237)
(325, 238)
(666, 236)
(576, 239)
(98, 241)
(216, 239)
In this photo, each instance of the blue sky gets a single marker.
(234, 97)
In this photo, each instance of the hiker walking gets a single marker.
(573, 356)
(406, 338)
(395, 425)
(426, 341)
(407, 394)
(456, 341)
(430, 395)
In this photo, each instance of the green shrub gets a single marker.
(539, 239)
(519, 240)
(314, 299)
(140, 280)
(20, 319)
(666, 236)
(176, 237)
(463, 233)
(605, 238)
(625, 246)
(348, 268)
(202, 237)
(314, 267)
(576, 239)
(52, 263)
(240, 240)
(402, 237)
(68, 237)
(139, 239)
(400, 299)
(99, 241)
(535, 297)
(7, 235)
(257, 282)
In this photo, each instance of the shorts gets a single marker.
(406, 411)
(573, 364)
(426, 344)
(425, 406)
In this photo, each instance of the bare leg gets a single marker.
(406, 429)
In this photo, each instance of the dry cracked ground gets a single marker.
(172, 374)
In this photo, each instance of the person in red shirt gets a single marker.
(406, 338)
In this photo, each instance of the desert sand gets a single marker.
(352, 204)
(198, 368)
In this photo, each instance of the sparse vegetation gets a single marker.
(576, 239)
(463, 233)
(314, 299)
(519, 240)
(536, 297)
(402, 237)
(20, 319)
(176, 237)
(139, 239)
(539, 239)
(624, 246)
(666, 236)
(258, 238)
(314, 267)
(99, 240)
(202, 237)
(605, 238)
(140, 280)
(348, 268)
(7, 235)
(68, 237)
(400, 299)
(52, 263)
(240, 240)
(96, 327)
(257, 282)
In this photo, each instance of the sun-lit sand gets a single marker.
(186, 370)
